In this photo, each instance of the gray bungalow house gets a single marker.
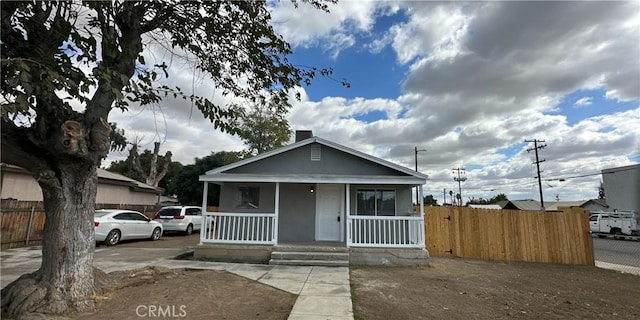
(314, 193)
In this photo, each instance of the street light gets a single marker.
(416, 157)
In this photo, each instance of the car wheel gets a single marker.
(189, 230)
(112, 238)
(156, 234)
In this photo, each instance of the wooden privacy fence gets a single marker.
(22, 222)
(509, 235)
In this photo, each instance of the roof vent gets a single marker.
(316, 152)
(303, 135)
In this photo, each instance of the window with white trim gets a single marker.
(248, 198)
(375, 202)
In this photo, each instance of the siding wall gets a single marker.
(298, 161)
(622, 187)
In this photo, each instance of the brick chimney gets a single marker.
(303, 135)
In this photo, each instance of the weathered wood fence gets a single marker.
(22, 222)
(509, 235)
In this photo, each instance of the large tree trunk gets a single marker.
(62, 147)
(66, 282)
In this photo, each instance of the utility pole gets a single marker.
(459, 179)
(416, 158)
(536, 147)
(451, 195)
(444, 196)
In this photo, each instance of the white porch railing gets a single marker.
(385, 232)
(238, 228)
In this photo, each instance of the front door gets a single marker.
(328, 212)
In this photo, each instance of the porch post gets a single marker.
(421, 201)
(277, 212)
(347, 211)
(205, 224)
(423, 237)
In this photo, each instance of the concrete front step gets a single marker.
(325, 256)
(309, 248)
(322, 263)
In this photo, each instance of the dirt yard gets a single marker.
(200, 295)
(471, 289)
(448, 289)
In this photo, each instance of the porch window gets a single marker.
(376, 202)
(248, 198)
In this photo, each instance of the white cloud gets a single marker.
(306, 26)
(584, 101)
(339, 42)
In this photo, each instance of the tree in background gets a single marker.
(601, 194)
(155, 167)
(493, 200)
(139, 168)
(262, 129)
(186, 186)
(429, 200)
(65, 65)
(498, 198)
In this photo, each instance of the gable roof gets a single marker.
(529, 204)
(108, 175)
(221, 174)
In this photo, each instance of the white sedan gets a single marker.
(111, 226)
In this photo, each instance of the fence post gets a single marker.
(26, 242)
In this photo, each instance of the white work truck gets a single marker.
(615, 223)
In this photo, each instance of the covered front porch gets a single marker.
(367, 214)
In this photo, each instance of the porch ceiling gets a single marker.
(285, 178)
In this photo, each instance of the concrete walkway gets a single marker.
(323, 292)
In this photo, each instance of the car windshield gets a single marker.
(169, 212)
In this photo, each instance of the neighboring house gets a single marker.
(486, 206)
(166, 201)
(589, 205)
(528, 205)
(317, 193)
(534, 205)
(18, 183)
(622, 187)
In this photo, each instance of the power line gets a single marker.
(589, 175)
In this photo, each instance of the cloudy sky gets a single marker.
(467, 82)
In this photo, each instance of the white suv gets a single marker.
(180, 218)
